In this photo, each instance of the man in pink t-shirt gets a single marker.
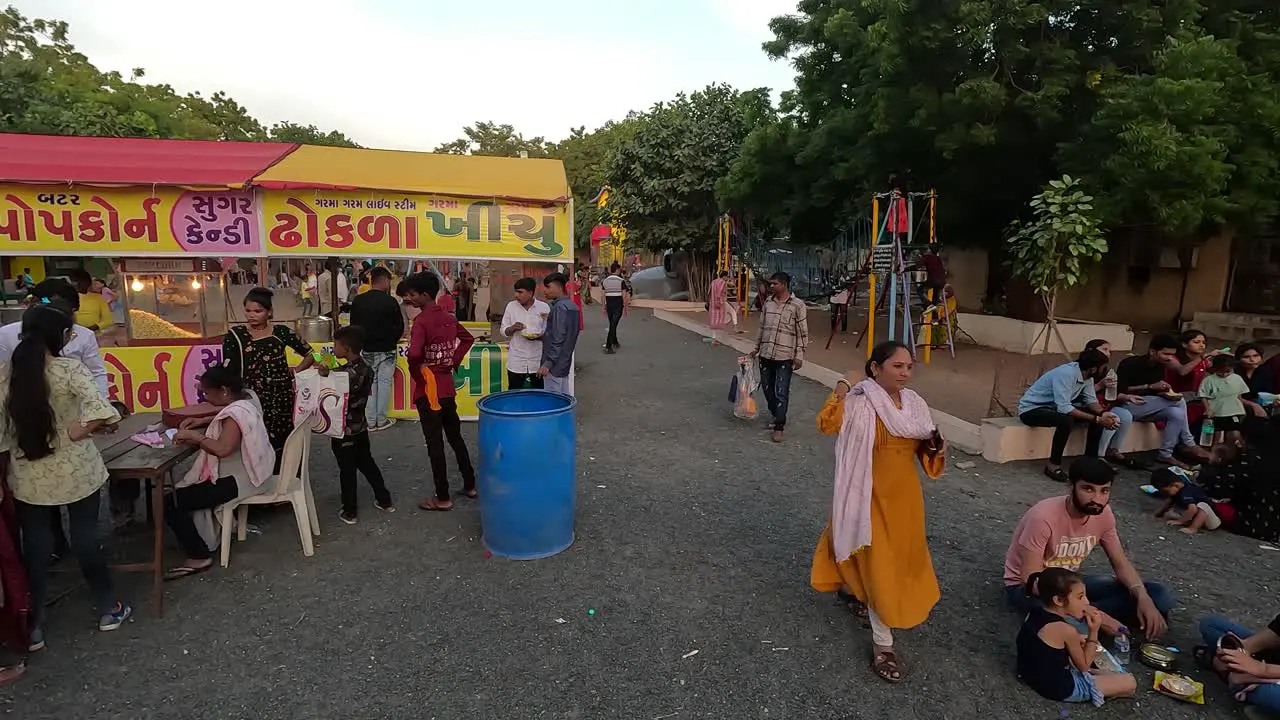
(1061, 532)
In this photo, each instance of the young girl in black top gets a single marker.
(1052, 657)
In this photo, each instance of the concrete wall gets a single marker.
(968, 276)
(1111, 295)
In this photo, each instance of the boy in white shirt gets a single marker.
(524, 321)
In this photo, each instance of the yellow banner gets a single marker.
(120, 222)
(368, 224)
(150, 379)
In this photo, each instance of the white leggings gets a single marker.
(880, 633)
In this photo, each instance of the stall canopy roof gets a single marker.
(478, 176)
(134, 161)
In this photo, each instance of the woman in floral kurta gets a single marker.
(256, 351)
(60, 469)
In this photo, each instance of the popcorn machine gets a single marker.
(173, 299)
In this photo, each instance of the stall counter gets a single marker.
(150, 379)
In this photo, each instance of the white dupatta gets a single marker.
(851, 504)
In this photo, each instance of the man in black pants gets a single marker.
(437, 346)
(613, 286)
(1063, 398)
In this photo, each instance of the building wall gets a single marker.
(1113, 293)
(1110, 294)
(968, 279)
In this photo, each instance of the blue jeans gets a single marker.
(775, 380)
(1105, 593)
(1113, 440)
(1173, 413)
(383, 365)
(1212, 629)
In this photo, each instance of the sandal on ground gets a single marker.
(853, 604)
(436, 505)
(472, 493)
(885, 664)
(183, 571)
(1125, 461)
(1057, 475)
(12, 673)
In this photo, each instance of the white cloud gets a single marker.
(388, 82)
(751, 17)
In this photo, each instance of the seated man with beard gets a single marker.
(1061, 532)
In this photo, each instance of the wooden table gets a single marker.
(128, 460)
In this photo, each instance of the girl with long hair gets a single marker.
(50, 408)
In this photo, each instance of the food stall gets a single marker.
(177, 219)
(170, 216)
(321, 202)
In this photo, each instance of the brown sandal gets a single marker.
(856, 607)
(885, 664)
(436, 505)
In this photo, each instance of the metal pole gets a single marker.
(895, 213)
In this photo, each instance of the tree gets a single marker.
(1168, 109)
(288, 132)
(664, 175)
(586, 157)
(487, 138)
(1053, 252)
(47, 87)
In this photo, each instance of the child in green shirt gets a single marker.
(1221, 391)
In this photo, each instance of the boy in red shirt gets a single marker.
(437, 346)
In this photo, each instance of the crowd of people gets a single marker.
(54, 398)
(874, 552)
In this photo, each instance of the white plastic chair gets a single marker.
(292, 485)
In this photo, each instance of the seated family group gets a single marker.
(1050, 543)
(1213, 409)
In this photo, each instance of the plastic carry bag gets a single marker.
(745, 383)
(322, 401)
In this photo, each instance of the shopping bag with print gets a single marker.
(324, 398)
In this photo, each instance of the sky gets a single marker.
(409, 75)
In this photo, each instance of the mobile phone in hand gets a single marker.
(935, 441)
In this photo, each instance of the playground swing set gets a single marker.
(885, 270)
(890, 239)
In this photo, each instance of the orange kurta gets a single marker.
(894, 575)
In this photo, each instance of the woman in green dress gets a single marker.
(256, 350)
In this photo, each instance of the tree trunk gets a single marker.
(698, 269)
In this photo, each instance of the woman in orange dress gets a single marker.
(874, 546)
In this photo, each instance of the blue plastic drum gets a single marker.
(528, 473)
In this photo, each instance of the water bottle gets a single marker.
(1120, 648)
(1111, 382)
(1207, 433)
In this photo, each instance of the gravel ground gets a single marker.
(694, 534)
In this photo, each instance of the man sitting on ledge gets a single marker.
(1063, 398)
(1143, 375)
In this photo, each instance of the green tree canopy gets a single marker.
(47, 87)
(664, 176)
(494, 139)
(1168, 110)
(288, 132)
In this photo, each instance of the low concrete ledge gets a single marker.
(1006, 439)
(1017, 336)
